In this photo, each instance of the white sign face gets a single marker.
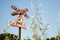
(20, 23)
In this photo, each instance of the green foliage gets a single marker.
(36, 37)
(8, 36)
(54, 38)
(27, 38)
(47, 39)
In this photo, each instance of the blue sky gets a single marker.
(50, 10)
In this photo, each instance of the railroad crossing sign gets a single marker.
(19, 22)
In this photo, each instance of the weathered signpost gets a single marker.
(19, 22)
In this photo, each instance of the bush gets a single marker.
(8, 36)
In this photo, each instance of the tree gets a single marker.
(47, 38)
(53, 38)
(27, 38)
(8, 36)
(37, 22)
(58, 35)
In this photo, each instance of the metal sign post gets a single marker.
(19, 33)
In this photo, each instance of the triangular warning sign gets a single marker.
(19, 22)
